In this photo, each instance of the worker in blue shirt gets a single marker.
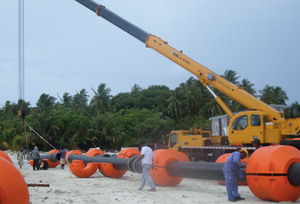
(233, 164)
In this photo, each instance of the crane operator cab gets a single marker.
(246, 126)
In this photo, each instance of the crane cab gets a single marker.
(248, 125)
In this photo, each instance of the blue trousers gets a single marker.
(146, 176)
(231, 183)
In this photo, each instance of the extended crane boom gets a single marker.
(262, 121)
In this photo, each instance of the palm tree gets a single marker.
(230, 75)
(267, 95)
(191, 93)
(66, 100)
(271, 95)
(175, 102)
(280, 95)
(136, 88)
(80, 99)
(45, 101)
(101, 99)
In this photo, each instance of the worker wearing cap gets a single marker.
(256, 143)
(233, 164)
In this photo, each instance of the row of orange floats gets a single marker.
(267, 171)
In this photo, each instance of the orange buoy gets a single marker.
(162, 158)
(222, 159)
(268, 168)
(53, 164)
(82, 170)
(109, 170)
(13, 188)
(5, 156)
(77, 152)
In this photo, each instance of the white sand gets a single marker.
(67, 188)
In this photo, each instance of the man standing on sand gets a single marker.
(233, 164)
(35, 154)
(147, 163)
(62, 153)
(20, 157)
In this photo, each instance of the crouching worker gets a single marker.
(233, 164)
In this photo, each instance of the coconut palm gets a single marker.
(45, 101)
(271, 95)
(230, 75)
(280, 95)
(101, 99)
(80, 99)
(176, 104)
(136, 88)
(66, 99)
(191, 93)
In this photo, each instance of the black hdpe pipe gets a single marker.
(52, 157)
(201, 170)
(118, 163)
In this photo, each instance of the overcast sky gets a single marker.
(67, 47)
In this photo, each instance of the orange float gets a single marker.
(162, 158)
(109, 170)
(5, 156)
(77, 152)
(268, 168)
(13, 188)
(222, 159)
(52, 164)
(82, 170)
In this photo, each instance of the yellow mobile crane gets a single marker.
(260, 121)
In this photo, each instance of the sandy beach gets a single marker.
(67, 188)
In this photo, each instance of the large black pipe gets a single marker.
(294, 174)
(116, 20)
(118, 163)
(201, 170)
(52, 157)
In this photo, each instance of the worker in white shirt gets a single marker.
(147, 163)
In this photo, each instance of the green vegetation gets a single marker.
(124, 119)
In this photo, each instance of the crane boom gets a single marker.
(261, 121)
(206, 76)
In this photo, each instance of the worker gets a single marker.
(256, 143)
(233, 164)
(147, 163)
(35, 154)
(20, 157)
(62, 153)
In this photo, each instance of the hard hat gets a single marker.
(244, 150)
